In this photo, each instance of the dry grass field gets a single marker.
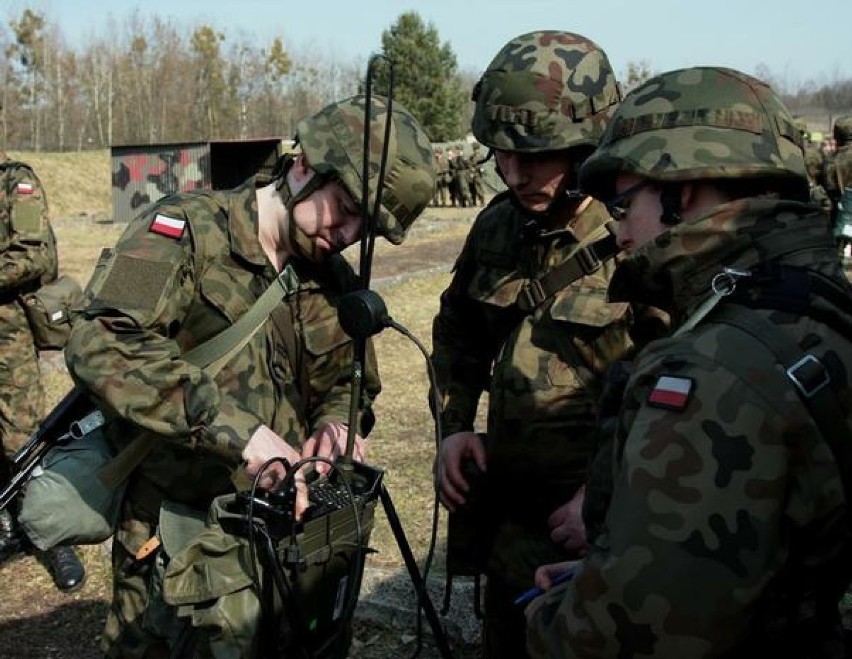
(37, 621)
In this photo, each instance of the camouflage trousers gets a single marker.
(21, 394)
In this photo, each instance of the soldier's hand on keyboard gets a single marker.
(329, 441)
(264, 445)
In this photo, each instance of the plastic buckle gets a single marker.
(588, 260)
(531, 295)
(800, 379)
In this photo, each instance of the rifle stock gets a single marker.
(54, 430)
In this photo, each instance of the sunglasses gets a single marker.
(618, 205)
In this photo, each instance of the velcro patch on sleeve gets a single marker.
(134, 283)
(25, 187)
(172, 227)
(671, 393)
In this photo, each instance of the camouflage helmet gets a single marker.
(843, 130)
(333, 142)
(698, 123)
(544, 91)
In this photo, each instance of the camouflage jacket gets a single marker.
(538, 367)
(727, 510)
(183, 271)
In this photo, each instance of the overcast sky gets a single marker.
(797, 40)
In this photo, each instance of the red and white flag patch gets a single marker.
(168, 226)
(24, 188)
(671, 392)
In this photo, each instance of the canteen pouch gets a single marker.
(48, 312)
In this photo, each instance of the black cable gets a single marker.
(436, 404)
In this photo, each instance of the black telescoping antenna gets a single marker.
(361, 314)
(370, 218)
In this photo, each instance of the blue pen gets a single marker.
(532, 593)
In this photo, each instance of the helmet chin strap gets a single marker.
(670, 202)
(301, 243)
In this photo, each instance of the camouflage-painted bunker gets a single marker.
(142, 173)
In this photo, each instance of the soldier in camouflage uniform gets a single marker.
(442, 170)
(28, 259)
(727, 532)
(525, 317)
(458, 170)
(474, 177)
(814, 165)
(182, 272)
(838, 177)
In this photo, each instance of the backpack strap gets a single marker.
(808, 376)
(587, 260)
(211, 356)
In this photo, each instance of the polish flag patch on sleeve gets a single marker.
(671, 392)
(24, 188)
(168, 226)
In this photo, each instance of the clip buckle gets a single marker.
(588, 260)
(532, 295)
(799, 381)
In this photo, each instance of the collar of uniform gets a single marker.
(243, 223)
(674, 272)
(590, 216)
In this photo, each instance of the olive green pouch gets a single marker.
(209, 578)
(49, 312)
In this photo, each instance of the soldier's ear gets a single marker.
(303, 168)
(300, 173)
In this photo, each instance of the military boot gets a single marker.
(12, 540)
(67, 570)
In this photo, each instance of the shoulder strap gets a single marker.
(586, 260)
(810, 379)
(217, 351)
(211, 356)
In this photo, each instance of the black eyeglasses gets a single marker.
(620, 203)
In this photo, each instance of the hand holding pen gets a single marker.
(561, 577)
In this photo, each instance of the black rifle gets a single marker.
(56, 429)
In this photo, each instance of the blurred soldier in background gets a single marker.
(838, 184)
(442, 171)
(727, 530)
(459, 168)
(525, 319)
(183, 272)
(814, 164)
(28, 259)
(474, 177)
